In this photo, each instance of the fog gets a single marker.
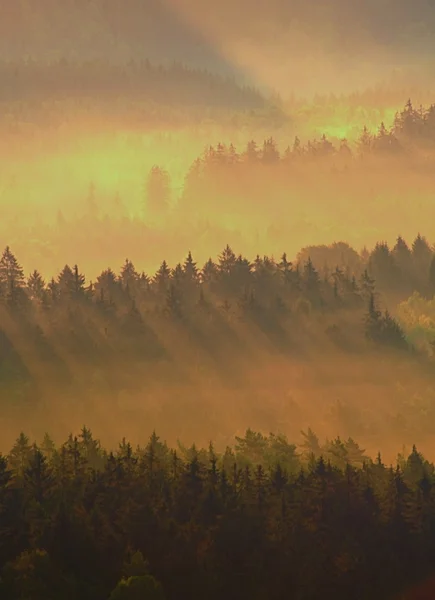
(46, 187)
(84, 118)
(214, 388)
(288, 46)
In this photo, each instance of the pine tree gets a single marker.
(162, 278)
(367, 285)
(66, 282)
(38, 478)
(177, 275)
(128, 276)
(311, 282)
(78, 283)
(227, 261)
(392, 333)
(403, 258)
(383, 267)
(373, 321)
(36, 288)
(53, 291)
(90, 448)
(297, 149)
(173, 305)
(48, 447)
(19, 455)
(106, 286)
(12, 280)
(233, 157)
(270, 154)
(190, 269)
(251, 154)
(421, 257)
(209, 272)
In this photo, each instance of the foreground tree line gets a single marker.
(264, 519)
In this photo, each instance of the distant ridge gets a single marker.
(116, 30)
(174, 84)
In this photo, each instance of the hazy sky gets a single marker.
(312, 45)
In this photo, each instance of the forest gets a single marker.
(127, 331)
(263, 519)
(217, 300)
(119, 314)
(259, 516)
(171, 84)
(232, 353)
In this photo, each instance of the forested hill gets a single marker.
(117, 30)
(339, 40)
(164, 28)
(173, 85)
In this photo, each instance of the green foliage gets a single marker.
(143, 587)
(383, 329)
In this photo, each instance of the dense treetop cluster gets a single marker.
(322, 276)
(264, 519)
(121, 316)
(411, 127)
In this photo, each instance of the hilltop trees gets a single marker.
(272, 288)
(411, 128)
(125, 317)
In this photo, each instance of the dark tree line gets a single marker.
(412, 127)
(265, 519)
(124, 307)
(176, 84)
(261, 290)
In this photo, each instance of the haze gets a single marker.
(84, 118)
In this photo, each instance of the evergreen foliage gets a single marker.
(258, 520)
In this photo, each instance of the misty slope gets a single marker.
(89, 29)
(105, 82)
(228, 36)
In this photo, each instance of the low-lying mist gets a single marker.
(94, 190)
(384, 402)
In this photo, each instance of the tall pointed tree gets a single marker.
(12, 280)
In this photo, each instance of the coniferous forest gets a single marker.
(263, 517)
(241, 423)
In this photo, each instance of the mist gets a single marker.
(97, 96)
(217, 299)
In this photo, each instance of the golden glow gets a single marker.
(53, 171)
(50, 155)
